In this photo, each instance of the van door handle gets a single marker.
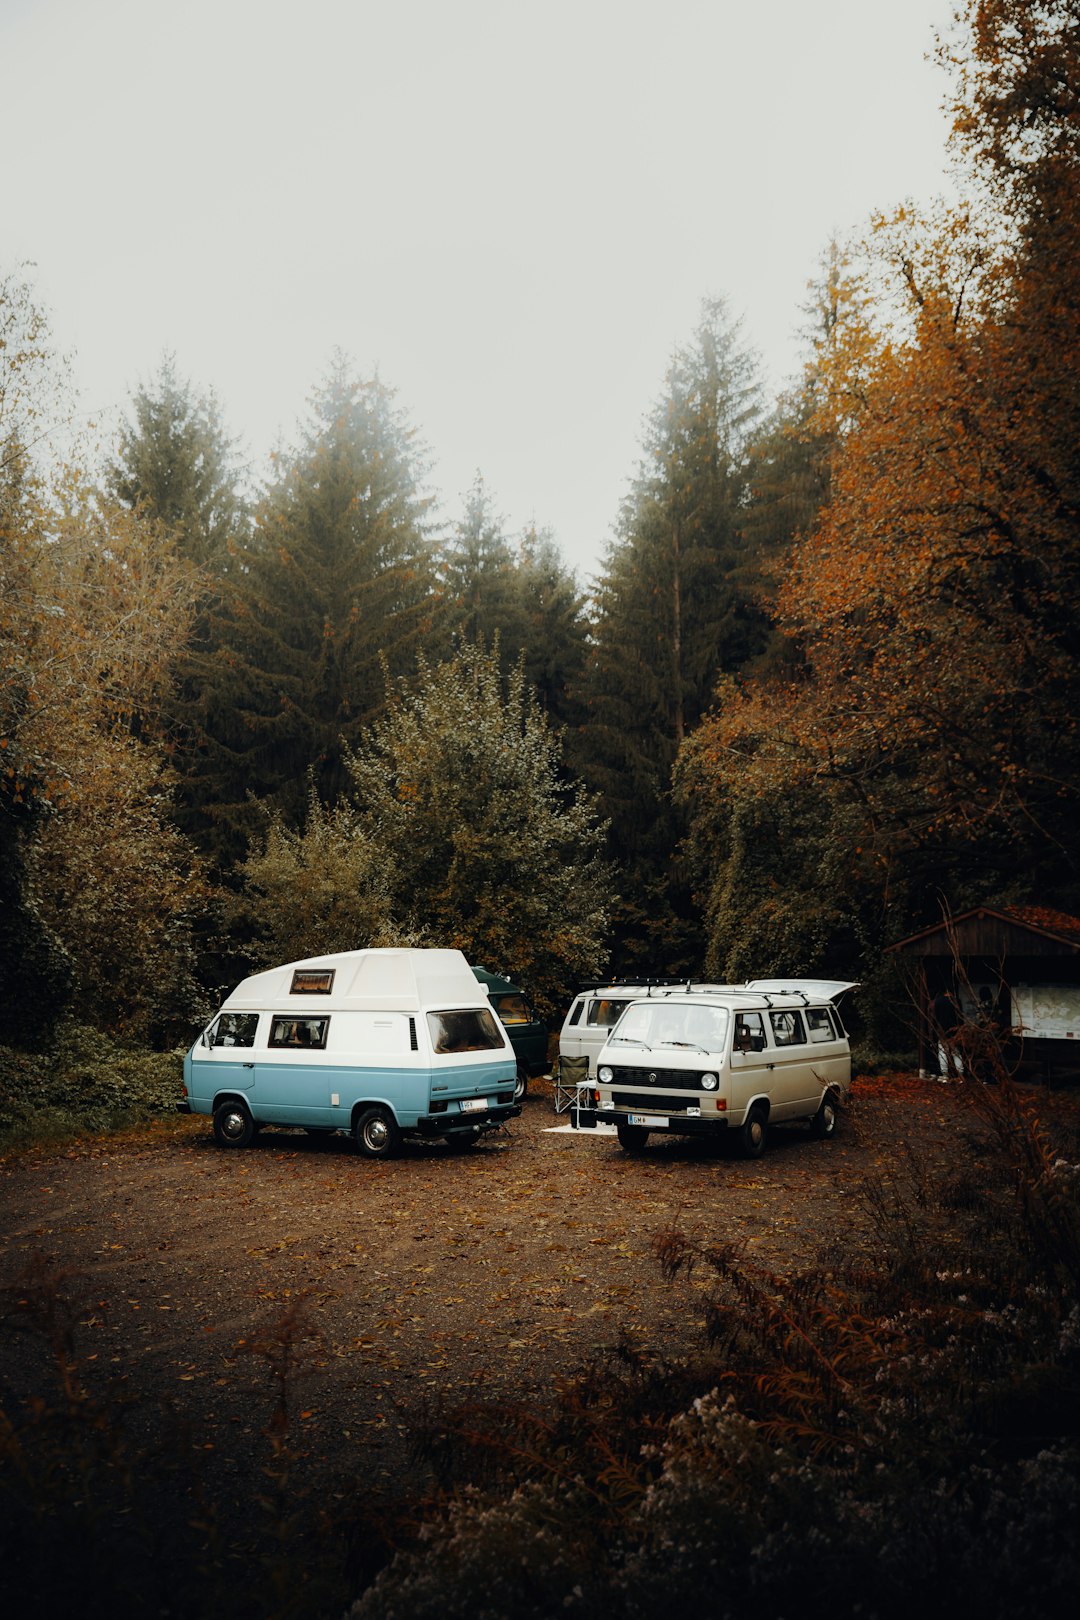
(251, 1065)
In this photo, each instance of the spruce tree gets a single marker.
(479, 575)
(671, 614)
(176, 462)
(552, 606)
(334, 588)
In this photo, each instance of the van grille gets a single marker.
(660, 1079)
(637, 1101)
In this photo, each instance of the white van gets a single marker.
(379, 1043)
(726, 1062)
(596, 1009)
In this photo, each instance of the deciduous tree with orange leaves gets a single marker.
(933, 718)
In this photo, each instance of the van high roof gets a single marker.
(380, 980)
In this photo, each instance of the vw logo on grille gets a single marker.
(652, 1079)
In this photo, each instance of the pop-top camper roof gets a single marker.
(385, 980)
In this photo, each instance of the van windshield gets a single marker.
(471, 1030)
(665, 1023)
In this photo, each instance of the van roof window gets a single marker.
(312, 982)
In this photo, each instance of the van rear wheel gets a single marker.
(233, 1124)
(377, 1133)
(824, 1123)
(754, 1131)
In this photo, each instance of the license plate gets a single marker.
(475, 1105)
(646, 1119)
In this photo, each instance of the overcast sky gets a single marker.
(511, 208)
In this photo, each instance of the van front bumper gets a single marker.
(676, 1124)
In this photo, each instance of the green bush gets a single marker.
(84, 1082)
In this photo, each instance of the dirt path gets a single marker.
(435, 1275)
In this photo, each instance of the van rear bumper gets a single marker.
(466, 1124)
(183, 1107)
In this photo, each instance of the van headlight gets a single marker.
(709, 1082)
(604, 1075)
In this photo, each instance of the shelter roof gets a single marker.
(1021, 928)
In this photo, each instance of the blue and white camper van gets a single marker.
(379, 1043)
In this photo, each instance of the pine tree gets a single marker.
(552, 607)
(176, 462)
(478, 570)
(335, 586)
(670, 614)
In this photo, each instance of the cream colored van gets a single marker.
(726, 1063)
(596, 1009)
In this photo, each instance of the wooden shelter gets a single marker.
(1019, 965)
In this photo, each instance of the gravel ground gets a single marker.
(187, 1275)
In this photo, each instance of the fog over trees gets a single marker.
(825, 684)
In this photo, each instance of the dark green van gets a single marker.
(527, 1035)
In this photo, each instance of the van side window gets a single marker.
(605, 1013)
(787, 1028)
(575, 1012)
(820, 1024)
(749, 1033)
(471, 1030)
(235, 1029)
(299, 1033)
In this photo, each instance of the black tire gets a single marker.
(825, 1121)
(377, 1133)
(521, 1084)
(233, 1124)
(632, 1138)
(754, 1132)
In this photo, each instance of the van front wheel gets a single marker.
(233, 1125)
(754, 1131)
(377, 1133)
(632, 1138)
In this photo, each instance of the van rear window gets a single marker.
(512, 1010)
(820, 1024)
(299, 1033)
(471, 1030)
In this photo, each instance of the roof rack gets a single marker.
(626, 984)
